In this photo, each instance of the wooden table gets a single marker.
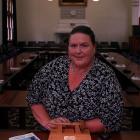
(131, 95)
(11, 67)
(19, 61)
(128, 135)
(5, 134)
(126, 67)
(132, 101)
(12, 99)
(17, 98)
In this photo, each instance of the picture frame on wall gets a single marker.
(73, 2)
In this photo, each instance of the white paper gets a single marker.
(1, 81)
(135, 78)
(15, 68)
(26, 60)
(110, 58)
(103, 53)
(69, 138)
(29, 136)
(120, 65)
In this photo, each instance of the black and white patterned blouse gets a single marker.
(97, 96)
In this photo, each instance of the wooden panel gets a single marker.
(13, 98)
(135, 43)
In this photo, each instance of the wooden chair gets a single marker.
(41, 44)
(125, 46)
(115, 45)
(32, 44)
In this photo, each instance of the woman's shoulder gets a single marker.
(57, 62)
(61, 59)
(103, 67)
(56, 65)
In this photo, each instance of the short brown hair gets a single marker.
(85, 30)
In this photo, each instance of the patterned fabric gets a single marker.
(97, 96)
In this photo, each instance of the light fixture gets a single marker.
(95, 0)
(50, 0)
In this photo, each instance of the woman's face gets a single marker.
(81, 50)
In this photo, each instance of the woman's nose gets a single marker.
(78, 49)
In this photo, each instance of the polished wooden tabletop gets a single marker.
(129, 68)
(128, 135)
(15, 64)
(5, 134)
(131, 100)
(13, 98)
(122, 63)
(17, 98)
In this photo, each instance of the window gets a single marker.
(9, 24)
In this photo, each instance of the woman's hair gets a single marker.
(85, 30)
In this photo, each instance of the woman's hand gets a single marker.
(95, 125)
(54, 122)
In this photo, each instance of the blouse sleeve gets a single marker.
(111, 104)
(35, 89)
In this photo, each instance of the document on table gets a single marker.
(120, 65)
(1, 81)
(135, 78)
(15, 68)
(29, 136)
(110, 58)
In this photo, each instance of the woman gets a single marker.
(77, 87)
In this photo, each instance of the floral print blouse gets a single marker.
(97, 96)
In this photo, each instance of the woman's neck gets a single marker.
(80, 69)
(76, 75)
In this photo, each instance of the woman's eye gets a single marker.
(72, 46)
(84, 45)
(80, 45)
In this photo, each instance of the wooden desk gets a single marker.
(128, 135)
(5, 134)
(132, 100)
(16, 61)
(12, 99)
(131, 95)
(16, 99)
(125, 66)
(11, 67)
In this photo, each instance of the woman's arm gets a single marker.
(95, 125)
(41, 115)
